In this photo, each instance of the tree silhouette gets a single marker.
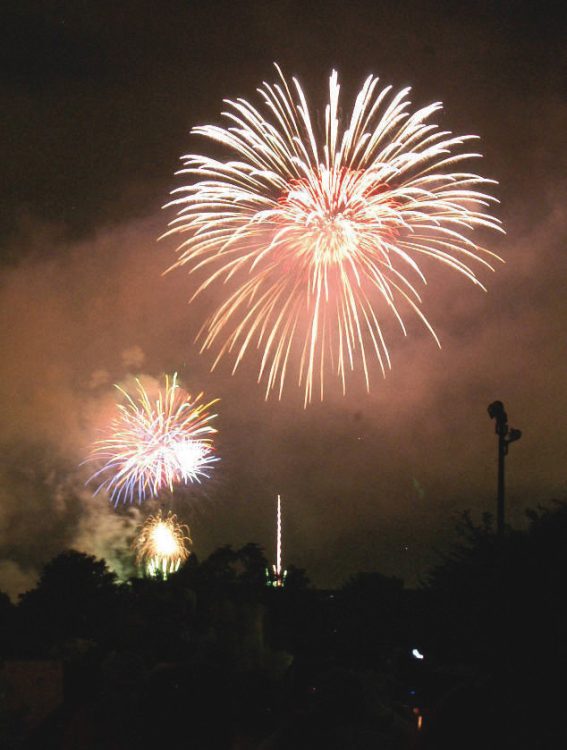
(296, 579)
(7, 613)
(71, 600)
(497, 611)
(253, 564)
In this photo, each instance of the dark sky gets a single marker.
(97, 102)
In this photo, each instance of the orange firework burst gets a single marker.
(320, 234)
(154, 443)
(162, 545)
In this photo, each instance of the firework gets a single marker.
(321, 233)
(278, 575)
(154, 444)
(162, 545)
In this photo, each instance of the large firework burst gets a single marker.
(162, 545)
(320, 234)
(154, 444)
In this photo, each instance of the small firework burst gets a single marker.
(153, 444)
(162, 545)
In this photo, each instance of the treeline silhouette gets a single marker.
(213, 659)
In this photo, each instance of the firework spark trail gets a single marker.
(278, 570)
(318, 237)
(154, 444)
(162, 545)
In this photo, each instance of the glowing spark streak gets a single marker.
(279, 540)
(279, 574)
(317, 236)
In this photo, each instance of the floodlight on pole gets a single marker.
(506, 435)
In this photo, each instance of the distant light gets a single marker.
(416, 653)
(419, 717)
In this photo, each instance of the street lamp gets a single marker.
(506, 435)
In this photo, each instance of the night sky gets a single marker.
(97, 101)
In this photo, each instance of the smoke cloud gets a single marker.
(368, 481)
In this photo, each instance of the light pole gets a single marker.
(506, 435)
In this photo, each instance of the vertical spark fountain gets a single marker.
(276, 577)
